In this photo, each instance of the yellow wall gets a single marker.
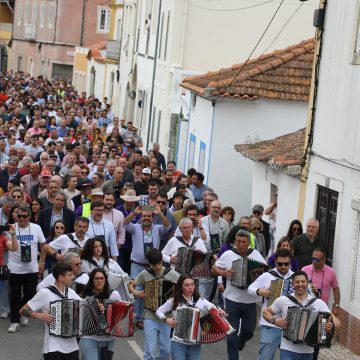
(113, 6)
(5, 14)
(80, 62)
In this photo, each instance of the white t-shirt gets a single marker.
(31, 235)
(112, 266)
(280, 306)
(232, 292)
(174, 244)
(64, 243)
(41, 301)
(50, 281)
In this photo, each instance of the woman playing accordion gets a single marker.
(187, 308)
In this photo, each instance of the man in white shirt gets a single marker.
(101, 228)
(23, 265)
(74, 242)
(276, 315)
(270, 335)
(54, 347)
(239, 304)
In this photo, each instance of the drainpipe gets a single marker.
(56, 11)
(82, 23)
(153, 77)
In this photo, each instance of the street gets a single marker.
(27, 344)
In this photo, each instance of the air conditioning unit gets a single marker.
(29, 32)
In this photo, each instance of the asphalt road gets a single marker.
(27, 345)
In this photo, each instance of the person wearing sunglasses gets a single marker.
(270, 334)
(23, 265)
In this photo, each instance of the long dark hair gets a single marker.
(11, 217)
(52, 231)
(40, 202)
(290, 233)
(178, 293)
(87, 253)
(88, 289)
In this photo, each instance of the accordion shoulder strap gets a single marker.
(293, 299)
(274, 273)
(56, 291)
(181, 239)
(152, 272)
(78, 275)
(71, 237)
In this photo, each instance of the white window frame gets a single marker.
(51, 16)
(27, 14)
(19, 14)
(107, 13)
(42, 15)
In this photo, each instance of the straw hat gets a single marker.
(96, 192)
(130, 196)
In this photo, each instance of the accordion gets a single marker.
(279, 287)
(209, 329)
(120, 284)
(307, 327)
(246, 271)
(82, 318)
(187, 325)
(157, 292)
(194, 262)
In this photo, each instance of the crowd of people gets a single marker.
(81, 200)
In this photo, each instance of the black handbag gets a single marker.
(4, 272)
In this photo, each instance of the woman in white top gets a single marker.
(95, 255)
(97, 347)
(185, 294)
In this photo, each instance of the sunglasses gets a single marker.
(257, 228)
(256, 212)
(314, 259)
(282, 263)
(161, 202)
(59, 228)
(22, 216)
(17, 196)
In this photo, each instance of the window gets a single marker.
(158, 127)
(167, 35)
(326, 211)
(43, 68)
(161, 35)
(19, 15)
(62, 71)
(42, 15)
(103, 20)
(51, 16)
(20, 63)
(34, 14)
(27, 19)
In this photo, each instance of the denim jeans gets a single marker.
(206, 287)
(290, 355)
(156, 332)
(136, 269)
(247, 314)
(90, 348)
(270, 339)
(2, 284)
(180, 351)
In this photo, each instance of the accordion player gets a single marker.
(307, 327)
(194, 262)
(246, 271)
(73, 318)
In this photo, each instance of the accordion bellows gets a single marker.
(209, 329)
(194, 262)
(157, 292)
(306, 327)
(82, 318)
(246, 271)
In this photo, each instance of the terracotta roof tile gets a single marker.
(282, 74)
(94, 51)
(283, 151)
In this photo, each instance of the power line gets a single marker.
(253, 50)
(225, 10)
(283, 27)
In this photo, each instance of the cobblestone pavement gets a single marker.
(337, 352)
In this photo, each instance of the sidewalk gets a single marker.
(337, 352)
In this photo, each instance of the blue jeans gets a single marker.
(136, 269)
(247, 314)
(205, 287)
(156, 332)
(2, 284)
(90, 348)
(180, 351)
(290, 355)
(270, 339)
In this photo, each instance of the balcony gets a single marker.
(113, 50)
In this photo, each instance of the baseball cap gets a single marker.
(84, 182)
(146, 171)
(45, 173)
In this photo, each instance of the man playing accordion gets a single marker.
(270, 285)
(277, 314)
(239, 304)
